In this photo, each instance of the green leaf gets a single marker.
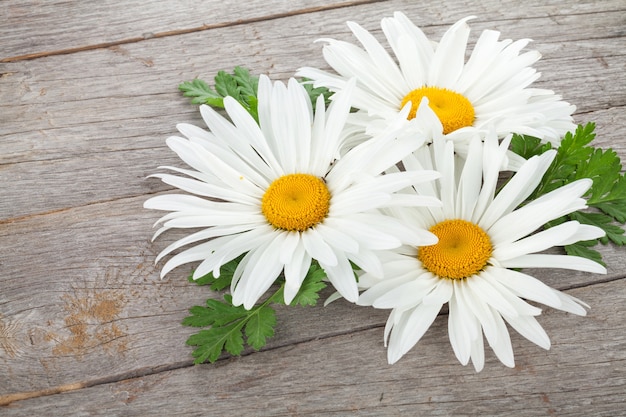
(252, 108)
(229, 323)
(227, 326)
(239, 85)
(226, 85)
(615, 209)
(614, 233)
(528, 146)
(603, 167)
(201, 93)
(226, 276)
(212, 342)
(311, 286)
(315, 92)
(571, 153)
(583, 249)
(247, 85)
(260, 326)
(216, 313)
(575, 159)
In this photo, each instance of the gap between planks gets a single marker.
(177, 32)
(8, 399)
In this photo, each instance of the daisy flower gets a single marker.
(483, 241)
(491, 88)
(276, 192)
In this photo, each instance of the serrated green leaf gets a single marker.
(614, 233)
(225, 313)
(228, 324)
(247, 85)
(571, 154)
(260, 326)
(315, 92)
(226, 275)
(253, 105)
(213, 341)
(198, 318)
(216, 313)
(573, 147)
(201, 93)
(583, 249)
(528, 146)
(603, 167)
(310, 288)
(615, 209)
(226, 85)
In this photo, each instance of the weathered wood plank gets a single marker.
(45, 186)
(85, 303)
(42, 97)
(30, 28)
(80, 120)
(72, 26)
(81, 303)
(347, 375)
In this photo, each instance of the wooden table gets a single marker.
(88, 95)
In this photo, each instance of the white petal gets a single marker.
(365, 234)
(571, 304)
(506, 298)
(318, 249)
(530, 328)
(406, 295)
(503, 348)
(517, 189)
(480, 310)
(295, 272)
(418, 322)
(449, 58)
(477, 354)
(554, 261)
(526, 286)
(291, 242)
(337, 239)
(461, 327)
(262, 270)
(537, 242)
(367, 261)
(226, 250)
(377, 291)
(342, 277)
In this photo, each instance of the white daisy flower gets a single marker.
(276, 192)
(491, 88)
(483, 240)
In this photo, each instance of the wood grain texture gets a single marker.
(87, 327)
(75, 26)
(346, 375)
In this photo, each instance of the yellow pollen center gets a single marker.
(453, 109)
(296, 202)
(462, 251)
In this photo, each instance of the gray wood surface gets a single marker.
(88, 94)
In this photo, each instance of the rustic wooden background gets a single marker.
(88, 94)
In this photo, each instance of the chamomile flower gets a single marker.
(483, 239)
(277, 192)
(491, 88)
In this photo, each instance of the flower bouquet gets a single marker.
(407, 181)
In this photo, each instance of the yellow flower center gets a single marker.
(296, 202)
(453, 109)
(462, 251)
